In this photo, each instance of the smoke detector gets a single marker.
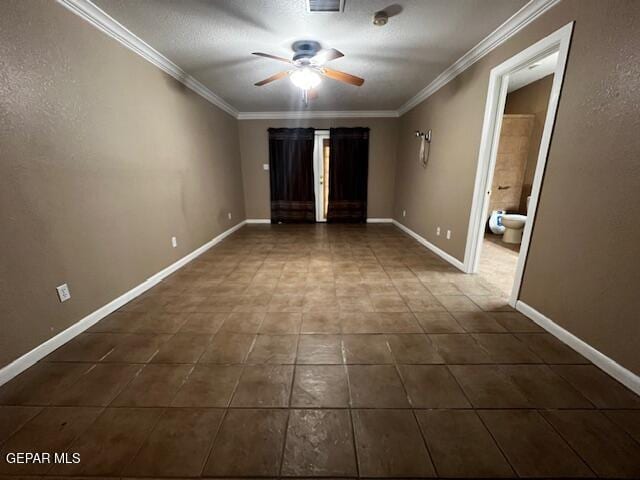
(380, 18)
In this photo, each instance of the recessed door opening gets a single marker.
(520, 113)
(321, 173)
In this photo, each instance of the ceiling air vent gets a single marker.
(325, 6)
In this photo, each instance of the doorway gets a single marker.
(321, 173)
(548, 56)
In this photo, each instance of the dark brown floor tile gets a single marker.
(413, 348)
(438, 322)
(432, 386)
(320, 386)
(273, 349)
(550, 349)
(249, 443)
(277, 322)
(598, 387)
(12, 418)
(119, 322)
(40, 383)
(319, 443)
(154, 386)
(178, 445)
(319, 349)
(389, 444)
(243, 323)
(160, 322)
(228, 348)
(319, 322)
(516, 322)
(488, 387)
(628, 420)
(461, 446)
(98, 386)
(86, 347)
(606, 448)
(366, 349)
(505, 348)
(111, 442)
(459, 348)
(206, 323)
(397, 323)
(532, 446)
(544, 388)
(184, 303)
(491, 303)
(376, 386)
(264, 386)
(478, 322)
(208, 386)
(388, 303)
(52, 430)
(182, 348)
(360, 323)
(136, 347)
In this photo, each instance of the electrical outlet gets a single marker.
(404, 213)
(229, 215)
(265, 166)
(448, 234)
(174, 242)
(63, 292)
(438, 231)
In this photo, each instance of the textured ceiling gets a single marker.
(213, 39)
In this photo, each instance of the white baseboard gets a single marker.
(30, 358)
(438, 251)
(617, 371)
(258, 220)
(379, 220)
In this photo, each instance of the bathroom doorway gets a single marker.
(519, 116)
(321, 173)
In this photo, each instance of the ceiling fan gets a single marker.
(307, 68)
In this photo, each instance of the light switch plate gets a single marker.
(63, 292)
(265, 166)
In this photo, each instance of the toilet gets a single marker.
(513, 227)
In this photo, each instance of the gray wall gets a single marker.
(103, 159)
(582, 269)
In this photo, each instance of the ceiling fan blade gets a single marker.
(326, 56)
(272, 78)
(342, 77)
(273, 57)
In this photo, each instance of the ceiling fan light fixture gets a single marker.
(305, 78)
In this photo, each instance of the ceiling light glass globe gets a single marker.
(305, 78)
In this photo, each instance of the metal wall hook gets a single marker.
(426, 135)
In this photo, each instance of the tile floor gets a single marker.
(320, 351)
(498, 262)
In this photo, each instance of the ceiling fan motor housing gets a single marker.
(305, 49)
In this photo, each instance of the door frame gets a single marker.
(318, 168)
(496, 98)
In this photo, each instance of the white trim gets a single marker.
(107, 24)
(610, 366)
(496, 97)
(508, 29)
(317, 114)
(438, 251)
(30, 358)
(379, 220)
(258, 220)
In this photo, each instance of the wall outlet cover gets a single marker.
(229, 215)
(174, 242)
(438, 231)
(63, 292)
(404, 213)
(448, 234)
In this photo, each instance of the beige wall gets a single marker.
(254, 148)
(103, 159)
(582, 270)
(534, 99)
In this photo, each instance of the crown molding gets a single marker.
(107, 24)
(508, 29)
(317, 114)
